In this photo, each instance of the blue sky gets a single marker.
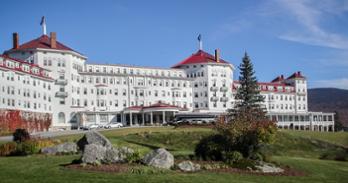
(281, 36)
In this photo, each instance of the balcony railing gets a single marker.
(214, 98)
(61, 81)
(224, 99)
(214, 88)
(61, 94)
(224, 89)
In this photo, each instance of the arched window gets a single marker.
(61, 117)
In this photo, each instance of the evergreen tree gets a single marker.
(248, 97)
(338, 124)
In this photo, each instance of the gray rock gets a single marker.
(268, 168)
(93, 137)
(112, 155)
(188, 166)
(64, 148)
(93, 154)
(159, 158)
(117, 155)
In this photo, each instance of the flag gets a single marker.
(43, 21)
(199, 37)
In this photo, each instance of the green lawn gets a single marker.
(299, 151)
(338, 138)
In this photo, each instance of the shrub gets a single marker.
(210, 148)
(8, 148)
(232, 157)
(245, 164)
(257, 156)
(133, 157)
(246, 137)
(21, 135)
(338, 155)
(26, 148)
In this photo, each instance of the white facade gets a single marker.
(97, 93)
(24, 86)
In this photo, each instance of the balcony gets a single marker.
(224, 89)
(214, 88)
(61, 82)
(224, 99)
(104, 108)
(214, 99)
(61, 94)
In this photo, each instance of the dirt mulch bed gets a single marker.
(124, 168)
(287, 172)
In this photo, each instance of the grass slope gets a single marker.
(296, 149)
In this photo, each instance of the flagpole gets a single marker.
(43, 24)
(44, 28)
(200, 44)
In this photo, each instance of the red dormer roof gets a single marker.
(278, 79)
(296, 75)
(42, 42)
(199, 57)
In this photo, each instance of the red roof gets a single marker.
(20, 69)
(42, 42)
(199, 57)
(296, 75)
(156, 105)
(278, 79)
(161, 105)
(263, 85)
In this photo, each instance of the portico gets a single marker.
(156, 114)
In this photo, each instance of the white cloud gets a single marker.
(341, 83)
(308, 14)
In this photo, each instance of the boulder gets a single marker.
(125, 151)
(65, 148)
(268, 168)
(159, 158)
(112, 155)
(93, 137)
(188, 166)
(93, 154)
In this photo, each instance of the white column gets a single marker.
(163, 117)
(151, 118)
(143, 119)
(130, 119)
(136, 119)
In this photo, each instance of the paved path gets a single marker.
(50, 134)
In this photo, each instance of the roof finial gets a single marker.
(200, 42)
(43, 24)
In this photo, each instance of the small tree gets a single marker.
(248, 125)
(21, 135)
(338, 124)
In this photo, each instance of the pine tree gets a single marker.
(338, 125)
(248, 97)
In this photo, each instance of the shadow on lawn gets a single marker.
(153, 147)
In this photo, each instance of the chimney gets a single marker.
(217, 55)
(15, 40)
(282, 76)
(53, 40)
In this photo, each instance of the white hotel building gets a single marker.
(45, 76)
